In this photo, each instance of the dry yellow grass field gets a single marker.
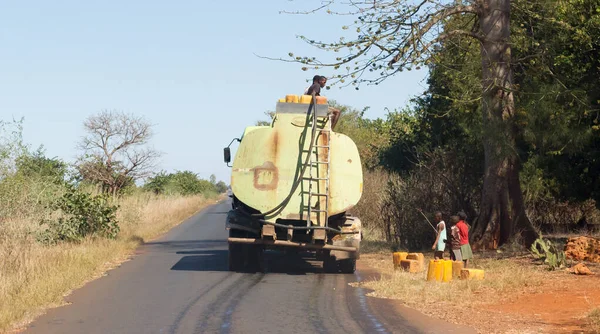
(34, 277)
(501, 277)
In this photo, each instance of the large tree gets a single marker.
(393, 36)
(116, 151)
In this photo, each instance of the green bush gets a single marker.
(183, 183)
(546, 251)
(80, 214)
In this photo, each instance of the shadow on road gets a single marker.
(198, 256)
(210, 260)
(174, 246)
(292, 264)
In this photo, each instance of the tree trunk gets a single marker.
(502, 215)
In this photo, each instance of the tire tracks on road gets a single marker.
(217, 315)
(186, 310)
(316, 319)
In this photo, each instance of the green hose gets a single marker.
(299, 180)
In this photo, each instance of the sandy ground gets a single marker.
(560, 304)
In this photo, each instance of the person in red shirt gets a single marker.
(463, 231)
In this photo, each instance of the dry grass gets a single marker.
(518, 294)
(373, 242)
(501, 276)
(594, 320)
(368, 209)
(33, 277)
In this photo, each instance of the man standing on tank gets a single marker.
(319, 82)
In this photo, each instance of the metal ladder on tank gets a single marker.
(316, 163)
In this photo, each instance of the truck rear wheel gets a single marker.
(329, 264)
(236, 257)
(347, 266)
(245, 258)
(253, 258)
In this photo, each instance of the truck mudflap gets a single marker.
(352, 224)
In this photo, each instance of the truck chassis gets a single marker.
(337, 245)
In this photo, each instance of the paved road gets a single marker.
(180, 284)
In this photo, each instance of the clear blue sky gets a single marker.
(188, 66)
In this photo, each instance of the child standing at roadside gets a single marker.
(440, 241)
(454, 240)
(463, 231)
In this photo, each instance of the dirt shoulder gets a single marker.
(517, 295)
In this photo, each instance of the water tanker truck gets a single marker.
(292, 185)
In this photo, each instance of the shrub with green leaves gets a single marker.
(546, 251)
(183, 183)
(80, 214)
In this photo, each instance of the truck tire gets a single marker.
(236, 257)
(245, 258)
(347, 266)
(330, 265)
(254, 258)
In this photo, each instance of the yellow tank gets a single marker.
(447, 276)
(435, 271)
(457, 267)
(305, 99)
(397, 257)
(291, 98)
(269, 159)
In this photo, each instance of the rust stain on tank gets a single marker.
(275, 145)
(324, 136)
(266, 177)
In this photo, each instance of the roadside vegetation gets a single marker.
(509, 135)
(433, 150)
(63, 224)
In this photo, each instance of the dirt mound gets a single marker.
(581, 269)
(583, 249)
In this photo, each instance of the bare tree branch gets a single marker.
(113, 150)
(391, 36)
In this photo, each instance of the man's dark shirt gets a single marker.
(316, 88)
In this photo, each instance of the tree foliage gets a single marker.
(81, 214)
(510, 82)
(387, 37)
(37, 164)
(512, 95)
(183, 183)
(221, 187)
